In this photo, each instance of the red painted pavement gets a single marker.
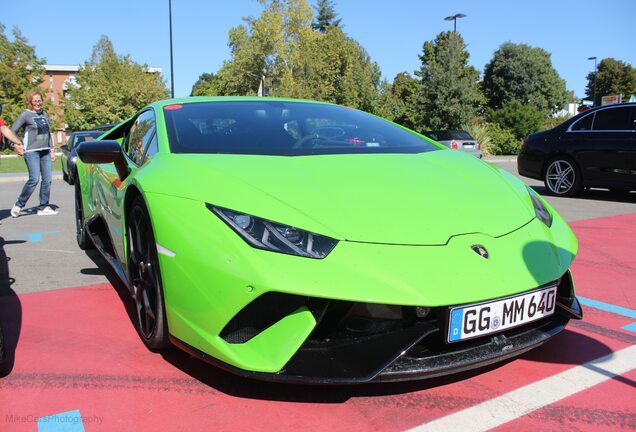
(77, 349)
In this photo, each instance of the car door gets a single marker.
(631, 159)
(112, 189)
(602, 144)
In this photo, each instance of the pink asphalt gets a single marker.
(77, 350)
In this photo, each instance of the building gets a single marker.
(57, 80)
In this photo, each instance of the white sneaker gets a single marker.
(15, 211)
(46, 211)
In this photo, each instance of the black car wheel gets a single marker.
(145, 277)
(562, 177)
(65, 176)
(83, 239)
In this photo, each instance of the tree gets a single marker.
(405, 90)
(338, 69)
(206, 85)
(449, 94)
(520, 119)
(20, 71)
(281, 49)
(110, 88)
(525, 74)
(386, 104)
(325, 16)
(613, 77)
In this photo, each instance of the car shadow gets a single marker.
(102, 268)
(10, 310)
(596, 195)
(247, 388)
(5, 214)
(233, 385)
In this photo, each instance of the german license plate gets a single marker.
(467, 322)
(469, 146)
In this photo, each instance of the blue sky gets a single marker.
(391, 31)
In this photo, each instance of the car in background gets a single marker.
(104, 127)
(595, 148)
(69, 152)
(301, 241)
(456, 140)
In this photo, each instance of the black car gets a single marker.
(596, 148)
(69, 155)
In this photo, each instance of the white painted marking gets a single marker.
(517, 403)
(167, 252)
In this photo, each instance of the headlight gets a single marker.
(540, 211)
(273, 236)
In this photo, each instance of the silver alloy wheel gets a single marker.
(560, 177)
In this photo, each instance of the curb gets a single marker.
(500, 159)
(12, 155)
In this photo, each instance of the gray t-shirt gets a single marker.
(37, 132)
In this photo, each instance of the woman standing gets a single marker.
(38, 154)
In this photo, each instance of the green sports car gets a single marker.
(301, 241)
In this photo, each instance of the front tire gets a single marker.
(562, 177)
(145, 277)
(83, 239)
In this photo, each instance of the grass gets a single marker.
(17, 165)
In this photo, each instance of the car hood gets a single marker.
(410, 199)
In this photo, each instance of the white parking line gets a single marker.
(524, 400)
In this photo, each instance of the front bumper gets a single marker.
(403, 353)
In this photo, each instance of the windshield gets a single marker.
(283, 128)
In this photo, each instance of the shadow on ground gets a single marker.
(596, 195)
(10, 310)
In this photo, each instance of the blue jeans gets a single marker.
(38, 162)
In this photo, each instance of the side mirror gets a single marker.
(102, 152)
(64, 147)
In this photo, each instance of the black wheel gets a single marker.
(145, 277)
(562, 177)
(65, 176)
(83, 239)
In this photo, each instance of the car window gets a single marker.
(139, 136)
(271, 127)
(87, 136)
(584, 124)
(460, 135)
(613, 119)
(152, 149)
(447, 135)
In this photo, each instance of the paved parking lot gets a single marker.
(77, 363)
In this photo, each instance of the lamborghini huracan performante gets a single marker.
(300, 241)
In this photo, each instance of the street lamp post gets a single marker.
(594, 84)
(453, 18)
(171, 62)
